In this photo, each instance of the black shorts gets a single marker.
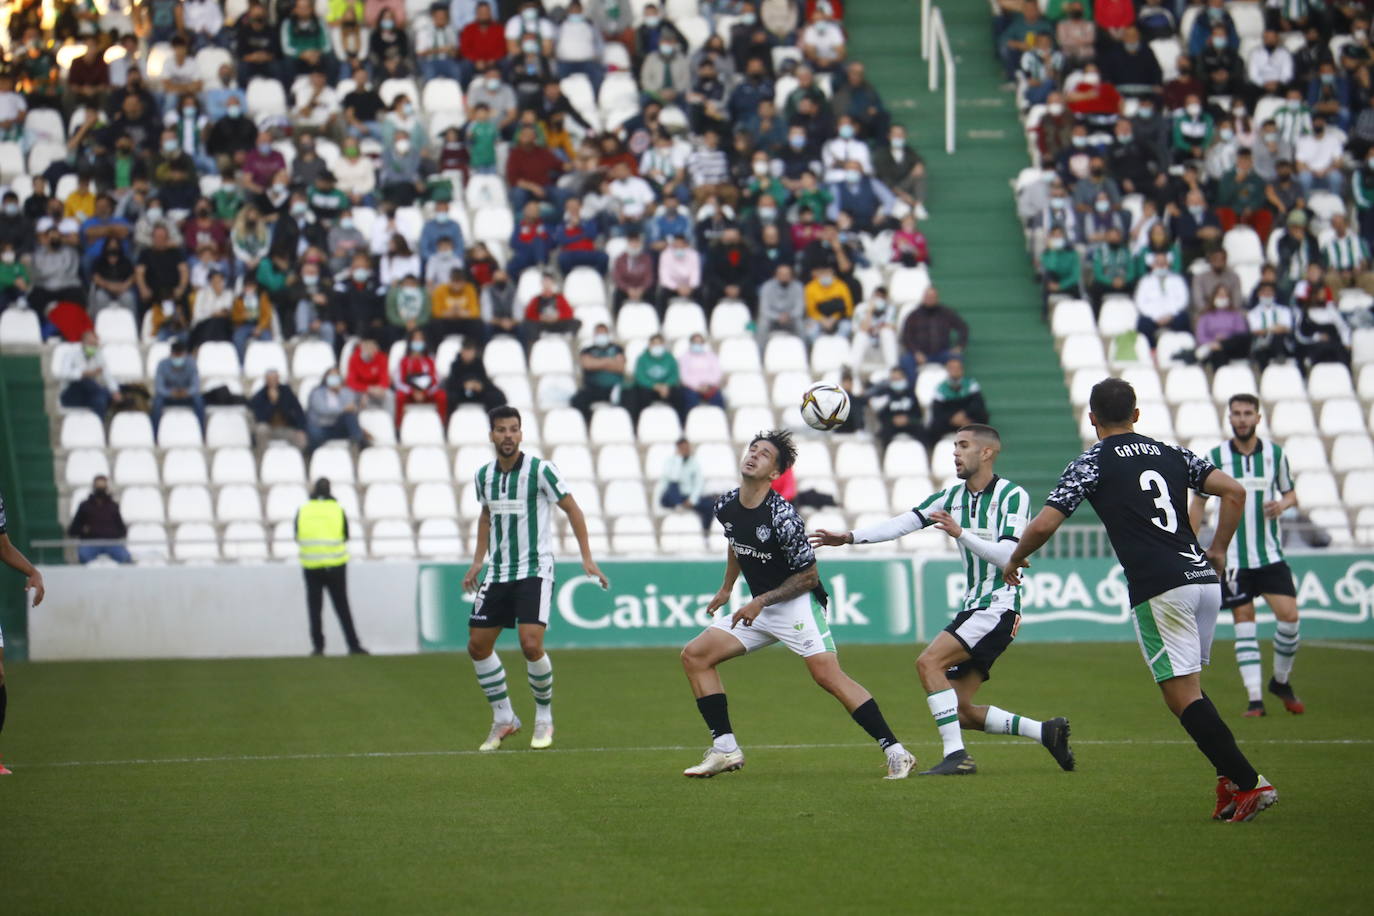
(985, 635)
(504, 604)
(1243, 586)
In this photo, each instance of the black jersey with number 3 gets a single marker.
(1139, 488)
(769, 541)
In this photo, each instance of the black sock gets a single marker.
(870, 719)
(714, 710)
(4, 701)
(1203, 724)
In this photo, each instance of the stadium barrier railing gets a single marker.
(935, 50)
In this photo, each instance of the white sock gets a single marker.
(491, 677)
(944, 706)
(1001, 722)
(1249, 660)
(895, 749)
(726, 744)
(1286, 642)
(541, 685)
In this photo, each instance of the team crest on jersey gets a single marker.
(763, 532)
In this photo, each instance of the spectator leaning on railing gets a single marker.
(98, 519)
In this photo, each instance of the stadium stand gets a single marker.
(1232, 141)
(272, 193)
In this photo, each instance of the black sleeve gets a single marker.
(1078, 482)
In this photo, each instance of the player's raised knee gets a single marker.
(532, 648)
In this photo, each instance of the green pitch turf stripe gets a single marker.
(1155, 654)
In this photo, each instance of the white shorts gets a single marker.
(1175, 629)
(799, 624)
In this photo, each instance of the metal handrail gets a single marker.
(935, 50)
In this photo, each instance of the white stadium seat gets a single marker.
(392, 539)
(84, 464)
(1349, 452)
(1317, 489)
(705, 423)
(1282, 382)
(136, 466)
(1185, 383)
(190, 503)
(813, 460)
(1342, 415)
(904, 458)
(683, 319)
(227, 429)
(439, 538)
(82, 429)
(1292, 418)
(333, 461)
(1306, 453)
(618, 462)
(379, 464)
(433, 500)
(856, 459)
(179, 427)
(1083, 351)
(195, 541)
(1197, 419)
(1357, 492)
(284, 500)
(19, 327)
(785, 353)
(379, 424)
(659, 423)
(184, 465)
(1329, 380)
(549, 355)
(244, 540)
(421, 426)
(1118, 316)
(385, 500)
(1231, 379)
(730, 319)
(238, 503)
(574, 462)
(1072, 316)
(427, 464)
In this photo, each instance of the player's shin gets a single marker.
(1001, 722)
(1286, 642)
(541, 685)
(491, 677)
(716, 713)
(1204, 725)
(944, 707)
(1248, 659)
(870, 719)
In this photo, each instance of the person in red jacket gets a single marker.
(549, 311)
(531, 171)
(417, 379)
(368, 375)
(481, 44)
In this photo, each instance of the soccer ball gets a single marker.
(824, 406)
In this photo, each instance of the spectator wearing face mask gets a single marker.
(1271, 326)
(656, 379)
(679, 272)
(16, 282)
(867, 201)
(1161, 297)
(898, 411)
(210, 308)
(333, 413)
(701, 375)
(1192, 133)
(86, 382)
(369, 375)
(177, 384)
(1218, 275)
(603, 372)
(1061, 269)
(1222, 332)
(632, 273)
(875, 324)
(932, 332)
(576, 238)
(501, 313)
(1320, 157)
(455, 310)
(782, 305)
(417, 379)
(98, 519)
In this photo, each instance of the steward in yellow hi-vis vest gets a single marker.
(322, 537)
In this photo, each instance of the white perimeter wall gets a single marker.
(101, 612)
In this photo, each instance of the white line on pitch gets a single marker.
(1338, 644)
(251, 758)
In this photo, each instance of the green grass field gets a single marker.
(351, 785)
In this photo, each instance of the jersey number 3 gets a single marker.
(1153, 482)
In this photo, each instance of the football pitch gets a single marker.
(353, 785)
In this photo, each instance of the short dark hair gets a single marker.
(781, 440)
(504, 412)
(981, 429)
(1244, 398)
(1112, 402)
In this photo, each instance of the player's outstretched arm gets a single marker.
(794, 586)
(480, 554)
(578, 522)
(11, 557)
(727, 588)
(1219, 483)
(1037, 533)
(895, 527)
(997, 552)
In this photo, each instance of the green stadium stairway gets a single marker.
(26, 479)
(978, 254)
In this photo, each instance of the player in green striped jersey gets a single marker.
(516, 491)
(985, 515)
(1254, 563)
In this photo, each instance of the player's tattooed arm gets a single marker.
(794, 586)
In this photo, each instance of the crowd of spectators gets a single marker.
(1211, 161)
(292, 171)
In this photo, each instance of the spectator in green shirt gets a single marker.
(1061, 268)
(482, 137)
(1241, 198)
(14, 275)
(1114, 269)
(657, 379)
(407, 308)
(305, 42)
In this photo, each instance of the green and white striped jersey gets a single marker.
(1265, 476)
(996, 512)
(1346, 253)
(522, 532)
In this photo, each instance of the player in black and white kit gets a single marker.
(33, 579)
(1139, 488)
(768, 545)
